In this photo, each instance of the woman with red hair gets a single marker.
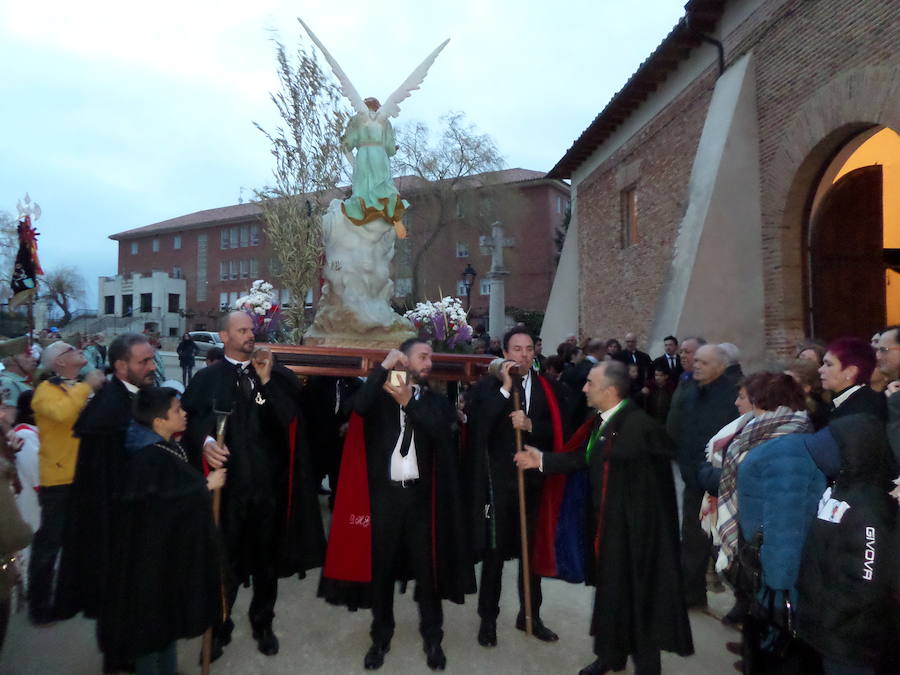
(846, 370)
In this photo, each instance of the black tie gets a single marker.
(671, 363)
(407, 436)
(245, 383)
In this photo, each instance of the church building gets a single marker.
(743, 185)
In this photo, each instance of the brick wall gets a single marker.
(799, 47)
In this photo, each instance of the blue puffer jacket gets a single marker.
(778, 489)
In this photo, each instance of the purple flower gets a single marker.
(440, 327)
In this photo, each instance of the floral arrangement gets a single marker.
(443, 323)
(260, 304)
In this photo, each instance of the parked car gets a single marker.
(205, 340)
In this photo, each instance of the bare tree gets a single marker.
(457, 165)
(9, 246)
(64, 286)
(308, 165)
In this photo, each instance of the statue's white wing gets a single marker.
(347, 87)
(391, 107)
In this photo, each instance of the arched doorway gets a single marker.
(853, 240)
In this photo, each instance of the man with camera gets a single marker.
(414, 492)
(495, 487)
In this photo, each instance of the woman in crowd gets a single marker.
(806, 373)
(187, 353)
(778, 485)
(811, 350)
(613, 347)
(846, 370)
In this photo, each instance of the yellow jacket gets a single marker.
(56, 406)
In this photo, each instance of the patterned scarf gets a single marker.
(760, 429)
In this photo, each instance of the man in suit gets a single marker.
(631, 354)
(669, 363)
(408, 429)
(639, 608)
(575, 377)
(495, 487)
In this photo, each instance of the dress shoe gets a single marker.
(266, 642)
(596, 668)
(736, 614)
(487, 633)
(538, 629)
(220, 638)
(734, 648)
(434, 657)
(375, 656)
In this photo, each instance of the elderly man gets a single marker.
(703, 410)
(639, 608)
(57, 403)
(632, 355)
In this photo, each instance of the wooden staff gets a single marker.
(221, 418)
(523, 521)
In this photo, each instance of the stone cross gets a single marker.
(495, 245)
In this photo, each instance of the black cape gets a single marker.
(634, 550)
(269, 461)
(166, 584)
(85, 558)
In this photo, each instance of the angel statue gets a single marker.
(370, 133)
(359, 232)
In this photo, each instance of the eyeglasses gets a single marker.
(885, 350)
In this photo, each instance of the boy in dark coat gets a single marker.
(164, 581)
(639, 606)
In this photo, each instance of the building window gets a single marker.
(176, 242)
(245, 236)
(174, 303)
(460, 289)
(134, 248)
(245, 268)
(224, 238)
(309, 298)
(628, 205)
(223, 271)
(233, 237)
(146, 303)
(459, 208)
(484, 287)
(127, 305)
(285, 297)
(223, 300)
(155, 244)
(202, 241)
(177, 273)
(254, 235)
(232, 298)
(109, 304)
(233, 269)
(462, 249)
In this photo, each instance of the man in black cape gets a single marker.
(417, 527)
(494, 484)
(639, 606)
(86, 552)
(270, 518)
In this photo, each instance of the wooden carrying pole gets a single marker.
(523, 524)
(206, 650)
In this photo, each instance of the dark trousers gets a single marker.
(163, 662)
(45, 547)
(507, 528)
(696, 548)
(250, 534)
(401, 538)
(186, 372)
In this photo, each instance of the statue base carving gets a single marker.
(354, 308)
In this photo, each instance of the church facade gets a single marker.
(741, 184)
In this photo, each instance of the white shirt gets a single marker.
(526, 384)
(132, 389)
(405, 468)
(847, 394)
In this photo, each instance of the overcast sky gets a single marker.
(118, 115)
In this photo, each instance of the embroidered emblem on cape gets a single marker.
(831, 510)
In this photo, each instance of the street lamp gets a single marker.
(468, 277)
